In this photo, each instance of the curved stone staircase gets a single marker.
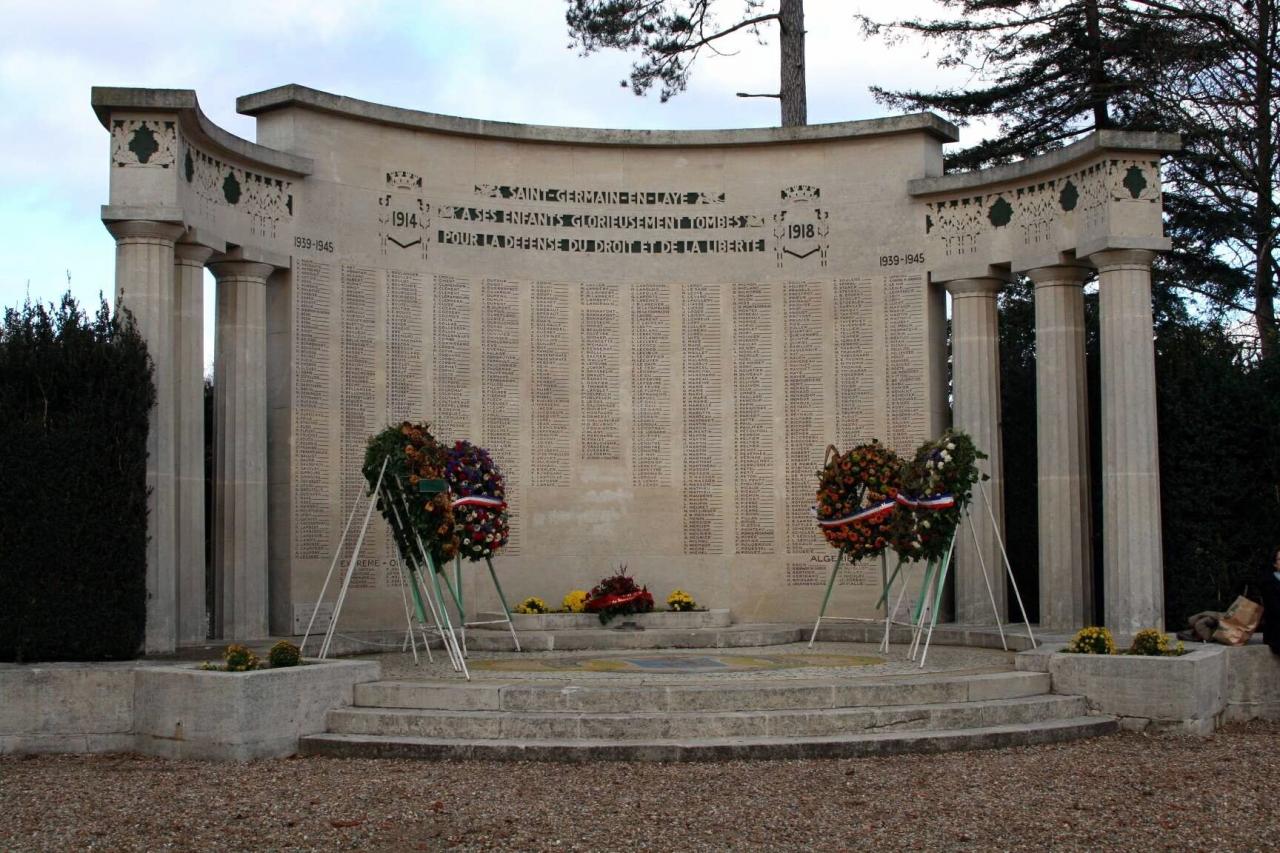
(702, 719)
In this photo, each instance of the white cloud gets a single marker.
(506, 60)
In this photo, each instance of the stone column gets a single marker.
(1132, 562)
(240, 450)
(188, 360)
(144, 286)
(1062, 449)
(975, 348)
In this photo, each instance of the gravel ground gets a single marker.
(1126, 792)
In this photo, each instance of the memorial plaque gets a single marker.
(655, 344)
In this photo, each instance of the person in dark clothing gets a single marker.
(1271, 604)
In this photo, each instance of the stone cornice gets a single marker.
(294, 95)
(196, 126)
(1092, 146)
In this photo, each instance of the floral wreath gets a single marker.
(479, 500)
(411, 454)
(856, 498)
(936, 487)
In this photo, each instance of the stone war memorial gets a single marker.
(654, 332)
(742, 365)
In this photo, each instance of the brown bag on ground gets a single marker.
(1239, 622)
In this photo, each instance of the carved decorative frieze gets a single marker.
(958, 224)
(148, 143)
(264, 199)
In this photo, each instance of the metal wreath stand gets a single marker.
(416, 564)
(929, 602)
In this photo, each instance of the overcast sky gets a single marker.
(492, 59)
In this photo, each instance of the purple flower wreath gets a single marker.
(479, 500)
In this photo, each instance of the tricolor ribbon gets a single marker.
(942, 500)
(871, 512)
(480, 501)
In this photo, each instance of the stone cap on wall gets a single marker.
(1053, 161)
(195, 126)
(294, 95)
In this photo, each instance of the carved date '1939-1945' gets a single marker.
(314, 245)
(902, 260)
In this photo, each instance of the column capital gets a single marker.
(1059, 275)
(1121, 259)
(145, 229)
(191, 254)
(241, 269)
(987, 286)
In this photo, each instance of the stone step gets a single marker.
(603, 639)
(709, 749)
(705, 695)
(509, 725)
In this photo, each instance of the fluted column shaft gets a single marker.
(1062, 449)
(1132, 561)
(240, 450)
(975, 346)
(144, 286)
(188, 360)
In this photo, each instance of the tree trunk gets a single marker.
(1097, 68)
(1265, 209)
(795, 110)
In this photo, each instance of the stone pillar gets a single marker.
(1062, 449)
(188, 361)
(144, 286)
(975, 348)
(240, 450)
(1132, 562)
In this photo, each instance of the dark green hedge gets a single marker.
(74, 397)
(1219, 422)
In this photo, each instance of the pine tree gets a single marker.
(670, 34)
(1050, 71)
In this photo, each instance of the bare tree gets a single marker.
(670, 34)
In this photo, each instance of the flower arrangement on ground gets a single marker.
(935, 488)
(479, 500)
(411, 455)
(681, 601)
(617, 595)
(1092, 641)
(532, 604)
(855, 500)
(1154, 643)
(575, 601)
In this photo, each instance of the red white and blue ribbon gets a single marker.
(868, 514)
(942, 500)
(481, 501)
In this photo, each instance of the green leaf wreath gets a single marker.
(412, 455)
(937, 485)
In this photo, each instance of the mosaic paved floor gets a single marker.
(675, 663)
(792, 661)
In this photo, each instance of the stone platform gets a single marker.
(787, 701)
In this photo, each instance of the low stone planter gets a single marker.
(571, 621)
(187, 712)
(66, 707)
(1253, 683)
(1185, 694)
(171, 710)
